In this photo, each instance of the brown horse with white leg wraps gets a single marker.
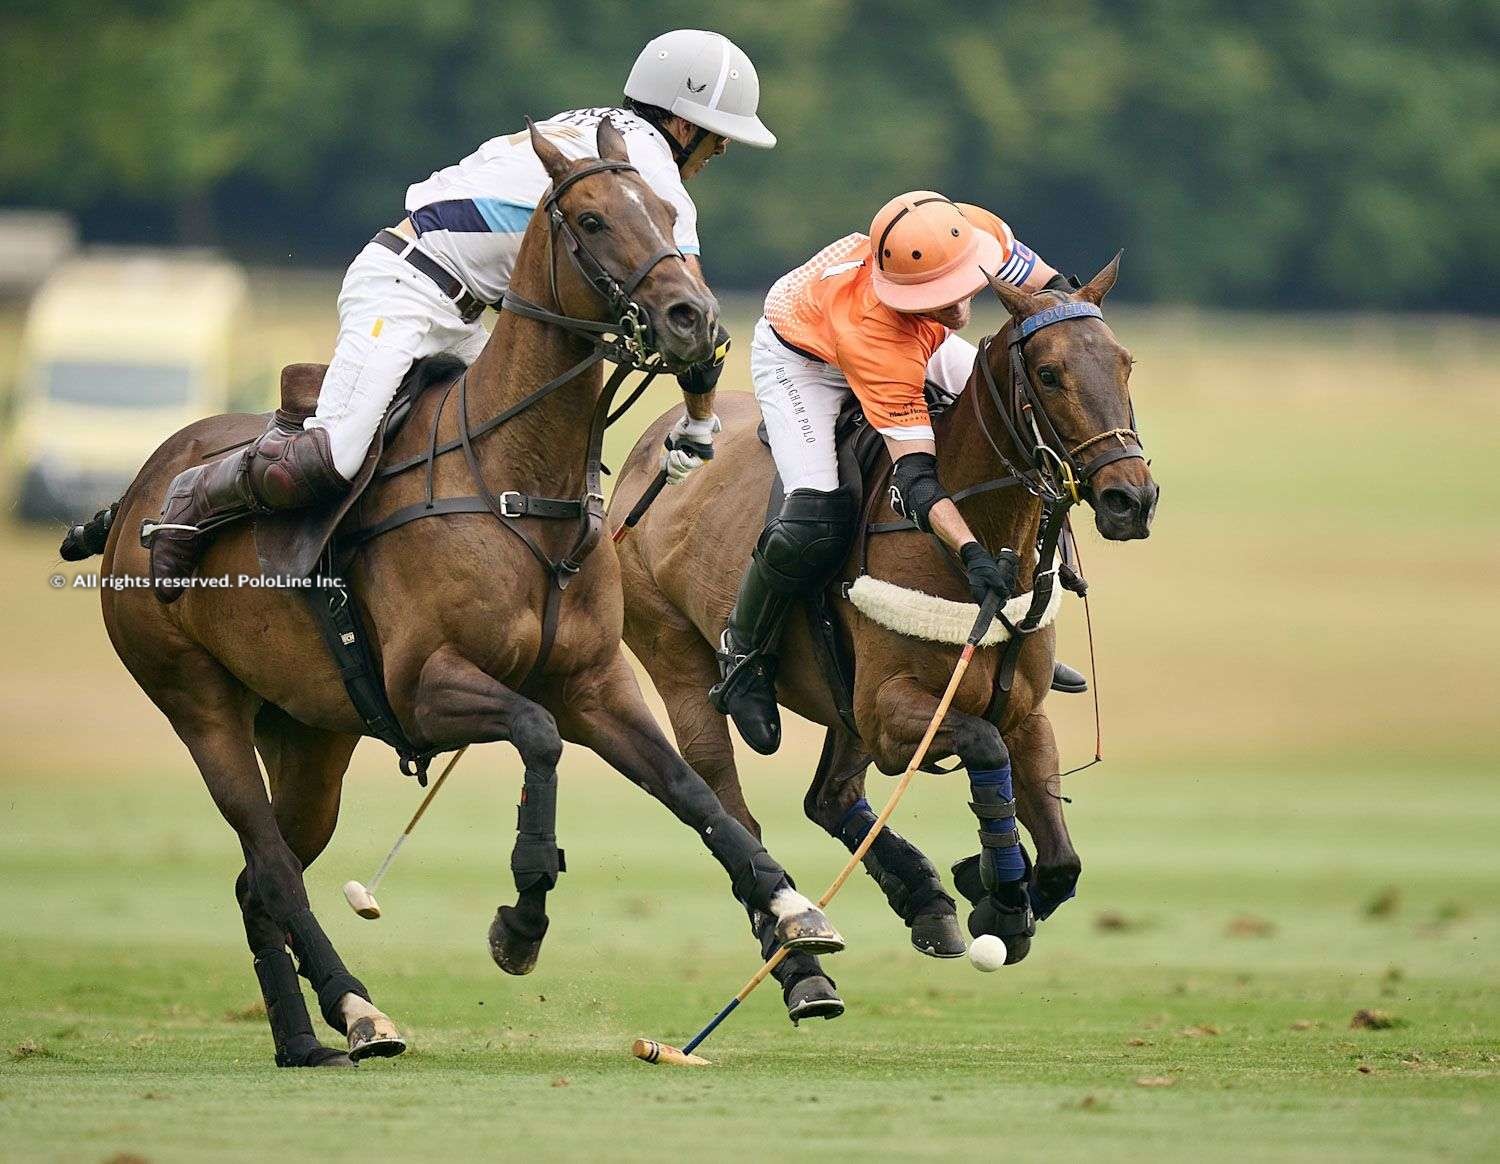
(474, 639)
(1046, 421)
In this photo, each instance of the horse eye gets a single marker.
(591, 222)
(1048, 378)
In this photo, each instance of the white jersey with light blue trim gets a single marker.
(470, 217)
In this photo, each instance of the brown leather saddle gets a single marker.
(290, 543)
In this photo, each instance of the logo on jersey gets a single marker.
(840, 268)
(696, 88)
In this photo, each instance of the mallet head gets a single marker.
(650, 1051)
(361, 900)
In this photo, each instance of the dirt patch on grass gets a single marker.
(1247, 925)
(28, 1049)
(251, 1012)
(1366, 1019)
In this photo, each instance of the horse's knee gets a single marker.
(978, 743)
(534, 733)
(275, 881)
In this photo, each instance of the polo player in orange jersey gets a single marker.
(875, 315)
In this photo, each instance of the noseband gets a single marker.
(631, 326)
(1055, 472)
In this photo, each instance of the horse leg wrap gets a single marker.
(754, 873)
(291, 1028)
(795, 966)
(1002, 860)
(536, 861)
(319, 963)
(910, 883)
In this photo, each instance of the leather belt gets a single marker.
(786, 343)
(469, 307)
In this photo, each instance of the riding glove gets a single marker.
(689, 444)
(987, 575)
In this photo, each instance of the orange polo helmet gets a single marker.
(927, 255)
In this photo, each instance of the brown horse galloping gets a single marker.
(681, 567)
(454, 606)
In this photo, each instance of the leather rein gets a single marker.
(1054, 474)
(626, 341)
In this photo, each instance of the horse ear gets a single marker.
(1101, 284)
(1018, 302)
(552, 158)
(611, 142)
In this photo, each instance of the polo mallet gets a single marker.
(635, 515)
(651, 1051)
(361, 898)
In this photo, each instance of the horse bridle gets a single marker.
(626, 341)
(1055, 471)
(630, 325)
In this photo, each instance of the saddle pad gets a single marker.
(920, 615)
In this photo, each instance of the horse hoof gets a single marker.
(374, 1037)
(813, 997)
(808, 931)
(1016, 949)
(938, 935)
(315, 1055)
(514, 945)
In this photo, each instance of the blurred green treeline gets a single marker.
(1332, 153)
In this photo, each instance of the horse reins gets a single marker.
(626, 341)
(1054, 476)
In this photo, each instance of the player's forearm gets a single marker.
(950, 525)
(700, 405)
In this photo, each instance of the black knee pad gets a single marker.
(804, 545)
(319, 963)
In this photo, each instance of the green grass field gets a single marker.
(1297, 822)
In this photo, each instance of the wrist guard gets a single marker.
(701, 379)
(915, 488)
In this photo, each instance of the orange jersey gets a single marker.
(828, 308)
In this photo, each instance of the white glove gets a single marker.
(689, 444)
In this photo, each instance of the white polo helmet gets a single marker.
(704, 78)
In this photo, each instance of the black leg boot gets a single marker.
(799, 552)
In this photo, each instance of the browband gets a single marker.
(1048, 316)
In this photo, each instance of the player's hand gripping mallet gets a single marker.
(361, 898)
(651, 1051)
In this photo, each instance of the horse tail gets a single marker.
(86, 540)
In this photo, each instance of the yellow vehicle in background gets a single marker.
(120, 349)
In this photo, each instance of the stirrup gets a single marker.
(731, 665)
(149, 529)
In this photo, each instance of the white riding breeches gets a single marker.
(800, 400)
(390, 315)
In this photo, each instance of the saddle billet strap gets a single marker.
(549, 507)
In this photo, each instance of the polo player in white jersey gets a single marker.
(419, 287)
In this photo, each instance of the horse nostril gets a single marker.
(684, 318)
(1118, 502)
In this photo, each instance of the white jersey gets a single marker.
(470, 217)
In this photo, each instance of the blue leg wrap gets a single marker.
(994, 804)
(857, 820)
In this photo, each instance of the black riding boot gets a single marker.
(280, 469)
(798, 553)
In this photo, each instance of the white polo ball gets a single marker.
(987, 953)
